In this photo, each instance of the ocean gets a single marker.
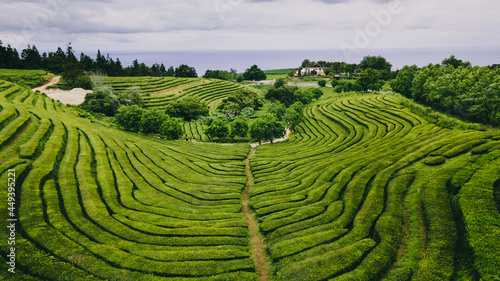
(267, 60)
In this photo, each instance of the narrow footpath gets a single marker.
(259, 248)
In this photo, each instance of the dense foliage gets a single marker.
(101, 102)
(154, 121)
(471, 92)
(59, 61)
(239, 100)
(221, 74)
(189, 108)
(254, 73)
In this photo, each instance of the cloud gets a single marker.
(246, 24)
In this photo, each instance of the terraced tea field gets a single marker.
(158, 91)
(363, 190)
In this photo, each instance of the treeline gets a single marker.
(378, 63)
(149, 121)
(456, 87)
(30, 58)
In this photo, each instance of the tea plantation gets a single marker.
(362, 190)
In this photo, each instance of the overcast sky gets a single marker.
(154, 25)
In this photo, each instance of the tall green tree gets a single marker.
(189, 108)
(370, 80)
(239, 128)
(171, 128)
(404, 81)
(456, 63)
(377, 63)
(129, 117)
(254, 73)
(151, 121)
(294, 115)
(72, 69)
(31, 58)
(217, 129)
(101, 102)
(185, 71)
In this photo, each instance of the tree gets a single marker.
(218, 129)
(239, 128)
(245, 97)
(404, 81)
(185, 71)
(335, 83)
(456, 63)
(72, 69)
(171, 127)
(170, 72)
(129, 117)
(189, 108)
(369, 80)
(322, 83)
(303, 95)
(284, 94)
(231, 109)
(279, 83)
(31, 58)
(151, 121)
(377, 63)
(101, 102)
(275, 128)
(267, 127)
(247, 111)
(131, 96)
(277, 109)
(254, 73)
(317, 93)
(294, 115)
(218, 74)
(258, 129)
(306, 63)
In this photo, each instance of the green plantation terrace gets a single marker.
(363, 189)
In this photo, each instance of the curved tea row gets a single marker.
(361, 191)
(97, 203)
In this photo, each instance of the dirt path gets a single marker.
(75, 96)
(54, 81)
(287, 135)
(259, 248)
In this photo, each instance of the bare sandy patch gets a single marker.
(75, 96)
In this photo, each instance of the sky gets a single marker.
(154, 25)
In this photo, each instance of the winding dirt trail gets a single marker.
(54, 81)
(75, 96)
(259, 248)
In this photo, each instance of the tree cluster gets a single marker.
(254, 73)
(103, 100)
(238, 101)
(471, 92)
(289, 95)
(331, 67)
(155, 121)
(369, 80)
(221, 74)
(58, 61)
(188, 108)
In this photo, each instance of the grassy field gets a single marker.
(27, 78)
(364, 189)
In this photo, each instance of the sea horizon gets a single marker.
(240, 60)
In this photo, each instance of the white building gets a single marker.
(309, 70)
